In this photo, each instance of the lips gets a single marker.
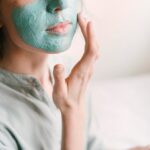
(59, 28)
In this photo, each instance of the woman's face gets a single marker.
(48, 25)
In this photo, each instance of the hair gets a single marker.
(1, 42)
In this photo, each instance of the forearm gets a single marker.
(73, 131)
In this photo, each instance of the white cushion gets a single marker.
(122, 109)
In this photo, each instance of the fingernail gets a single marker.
(82, 15)
(59, 68)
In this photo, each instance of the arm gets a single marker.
(73, 131)
(141, 148)
(68, 94)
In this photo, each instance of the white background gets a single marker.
(123, 31)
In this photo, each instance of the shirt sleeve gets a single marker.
(94, 136)
(6, 140)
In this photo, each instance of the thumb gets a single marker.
(59, 77)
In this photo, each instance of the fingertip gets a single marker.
(59, 68)
(79, 14)
(83, 25)
(81, 17)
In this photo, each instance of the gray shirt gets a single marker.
(29, 119)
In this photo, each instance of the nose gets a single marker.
(55, 6)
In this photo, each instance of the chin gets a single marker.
(55, 45)
(57, 48)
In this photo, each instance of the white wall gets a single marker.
(123, 31)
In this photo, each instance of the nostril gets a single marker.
(57, 9)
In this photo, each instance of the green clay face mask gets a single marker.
(41, 24)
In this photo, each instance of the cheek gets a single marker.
(32, 21)
(21, 3)
(30, 16)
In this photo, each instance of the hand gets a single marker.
(141, 148)
(68, 94)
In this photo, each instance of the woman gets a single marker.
(32, 30)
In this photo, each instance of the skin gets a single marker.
(23, 58)
(141, 148)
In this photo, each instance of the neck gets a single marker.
(26, 62)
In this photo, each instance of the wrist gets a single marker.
(73, 113)
(73, 125)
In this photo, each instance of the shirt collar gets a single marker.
(20, 80)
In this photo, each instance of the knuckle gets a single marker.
(94, 53)
(80, 75)
(84, 76)
(98, 55)
(90, 75)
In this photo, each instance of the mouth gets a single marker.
(59, 28)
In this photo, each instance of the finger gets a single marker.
(91, 53)
(148, 147)
(81, 75)
(90, 33)
(92, 41)
(59, 77)
(83, 25)
(82, 68)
